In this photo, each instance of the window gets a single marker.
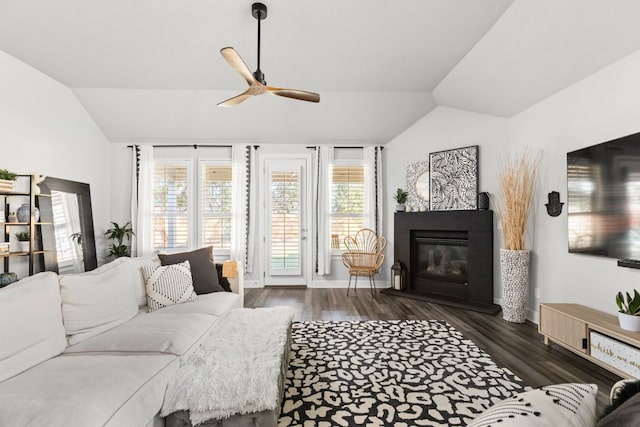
(216, 204)
(171, 204)
(347, 201)
(192, 208)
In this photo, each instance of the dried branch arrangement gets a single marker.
(517, 175)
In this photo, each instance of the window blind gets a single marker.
(171, 205)
(216, 205)
(347, 201)
(285, 221)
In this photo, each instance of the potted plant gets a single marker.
(517, 177)
(119, 234)
(7, 179)
(629, 310)
(401, 198)
(23, 238)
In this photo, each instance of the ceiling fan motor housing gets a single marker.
(259, 11)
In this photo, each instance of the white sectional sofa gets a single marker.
(81, 350)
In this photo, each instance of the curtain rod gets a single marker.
(195, 146)
(349, 146)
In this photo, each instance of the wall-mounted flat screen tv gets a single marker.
(604, 199)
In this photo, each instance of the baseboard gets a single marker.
(252, 284)
(344, 284)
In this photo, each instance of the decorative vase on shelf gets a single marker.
(514, 269)
(24, 213)
(23, 246)
(629, 322)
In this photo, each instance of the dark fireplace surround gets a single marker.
(448, 257)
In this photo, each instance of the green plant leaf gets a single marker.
(634, 304)
(620, 302)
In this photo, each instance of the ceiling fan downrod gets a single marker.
(259, 11)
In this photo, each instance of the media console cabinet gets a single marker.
(592, 334)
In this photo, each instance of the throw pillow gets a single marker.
(564, 405)
(168, 285)
(224, 282)
(98, 300)
(203, 270)
(625, 401)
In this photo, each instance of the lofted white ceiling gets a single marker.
(150, 70)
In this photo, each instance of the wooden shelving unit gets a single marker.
(575, 327)
(40, 252)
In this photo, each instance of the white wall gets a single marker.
(44, 129)
(599, 108)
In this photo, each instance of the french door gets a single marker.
(286, 195)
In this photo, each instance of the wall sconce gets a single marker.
(398, 276)
(554, 207)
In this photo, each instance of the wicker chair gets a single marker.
(364, 256)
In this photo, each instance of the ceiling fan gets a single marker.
(256, 81)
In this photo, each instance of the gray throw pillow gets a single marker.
(624, 408)
(203, 269)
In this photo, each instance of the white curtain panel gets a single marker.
(372, 156)
(322, 199)
(243, 221)
(252, 214)
(142, 200)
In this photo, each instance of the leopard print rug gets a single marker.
(389, 373)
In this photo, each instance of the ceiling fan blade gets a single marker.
(235, 100)
(302, 95)
(234, 59)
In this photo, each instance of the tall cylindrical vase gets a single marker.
(514, 269)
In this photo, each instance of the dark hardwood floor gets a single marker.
(518, 347)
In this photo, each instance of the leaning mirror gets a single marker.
(72, 231)
(418, 185)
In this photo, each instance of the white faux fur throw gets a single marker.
(235, 369)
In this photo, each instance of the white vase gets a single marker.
(514, 271)
(23, 246)
(629, 322)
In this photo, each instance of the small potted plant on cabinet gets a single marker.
(629, 310)
(23, 238)
(401, 198)
(7, 179)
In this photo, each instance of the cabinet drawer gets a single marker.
(563, 328)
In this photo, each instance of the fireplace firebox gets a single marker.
(448, 257)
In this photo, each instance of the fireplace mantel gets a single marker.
(475, 230)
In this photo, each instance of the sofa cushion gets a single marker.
(97, 301)
(31, 329)
(86, 391)
(138, 280)
(203, 269)
(168, 285)
(150, 333)
(215, 303)
(567, 405)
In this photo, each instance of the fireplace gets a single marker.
(448, 257)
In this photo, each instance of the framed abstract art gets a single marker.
(453, 179)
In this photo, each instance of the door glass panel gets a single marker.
(285, 222)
